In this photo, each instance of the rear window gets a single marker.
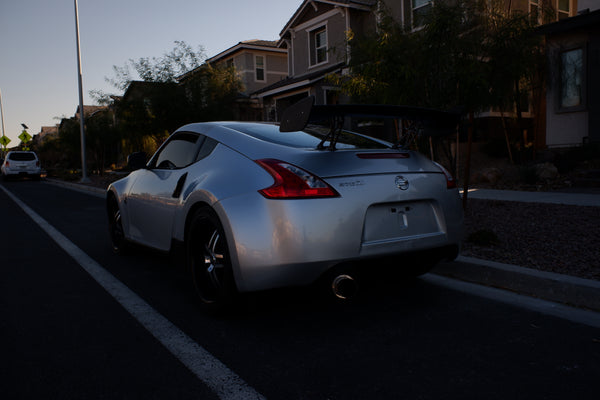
(21, 156)
(310, 137)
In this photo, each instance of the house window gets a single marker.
(259, 63)
(535, 13)
(546, 11)
(563, 9)
(571, 78)
(318, 46)
(420, 10)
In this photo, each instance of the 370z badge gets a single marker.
(401, 183)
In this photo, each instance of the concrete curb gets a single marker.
(573, 291)
(78, 186)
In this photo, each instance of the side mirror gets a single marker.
(136, 160)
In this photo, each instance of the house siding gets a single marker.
(569, 127)
(336, 43)
(244, 61)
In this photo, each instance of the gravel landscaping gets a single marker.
(549, 237)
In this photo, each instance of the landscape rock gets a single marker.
(489, 175)
(546, 171)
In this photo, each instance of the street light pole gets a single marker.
(84, 177)
(2, 116)
(2, 112)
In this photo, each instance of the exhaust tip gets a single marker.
(344, 287)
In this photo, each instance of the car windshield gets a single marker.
(21, 156)
(310, 137)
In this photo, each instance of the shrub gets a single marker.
(528, 175)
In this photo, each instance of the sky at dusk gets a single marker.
(38, 53)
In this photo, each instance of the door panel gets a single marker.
(151, 207)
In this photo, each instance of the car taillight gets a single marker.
(450, 181)
(292, 182)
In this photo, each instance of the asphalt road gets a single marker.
(65, 335)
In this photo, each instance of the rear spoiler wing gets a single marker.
(434, 123)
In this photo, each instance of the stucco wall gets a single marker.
(564, 127)
(336, 44)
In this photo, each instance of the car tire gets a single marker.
(115, 227)
(208, 261)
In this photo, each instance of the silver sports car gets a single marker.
(260, 206)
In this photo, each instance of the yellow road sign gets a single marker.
(25, 137)
(4, 141)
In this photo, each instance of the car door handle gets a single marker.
(179, 186)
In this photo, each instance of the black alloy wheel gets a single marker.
(208, 260)
(115, 226)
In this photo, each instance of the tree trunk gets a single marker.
(468, 160)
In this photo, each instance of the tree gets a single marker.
(440, 65)
(148, 112)
(180, 60)
(467, 54)
(69, 138)
(102, 140)
(155, 106)
(211, 92)
(517, 67)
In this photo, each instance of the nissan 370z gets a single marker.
(260, 205)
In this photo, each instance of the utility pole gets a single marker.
(2, 112)
(4, 140)
(84, 177)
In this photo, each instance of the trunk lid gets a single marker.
(328, 164)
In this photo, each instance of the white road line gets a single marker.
(224, 382)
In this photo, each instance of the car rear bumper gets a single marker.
(287, 243)
(21, 172)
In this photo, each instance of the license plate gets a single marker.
(400, 220)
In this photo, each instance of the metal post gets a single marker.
(84, 177)
(2, 114)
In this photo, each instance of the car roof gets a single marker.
(248, 136)
(231, 135)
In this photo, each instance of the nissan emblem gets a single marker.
(401, 182)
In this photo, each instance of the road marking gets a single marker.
(590, 318)
(224, 382)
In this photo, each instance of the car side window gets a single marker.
(179, 152)
(207, 147)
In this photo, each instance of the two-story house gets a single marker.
(257, 63)
(315, 40)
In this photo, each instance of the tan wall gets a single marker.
(563, 127)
